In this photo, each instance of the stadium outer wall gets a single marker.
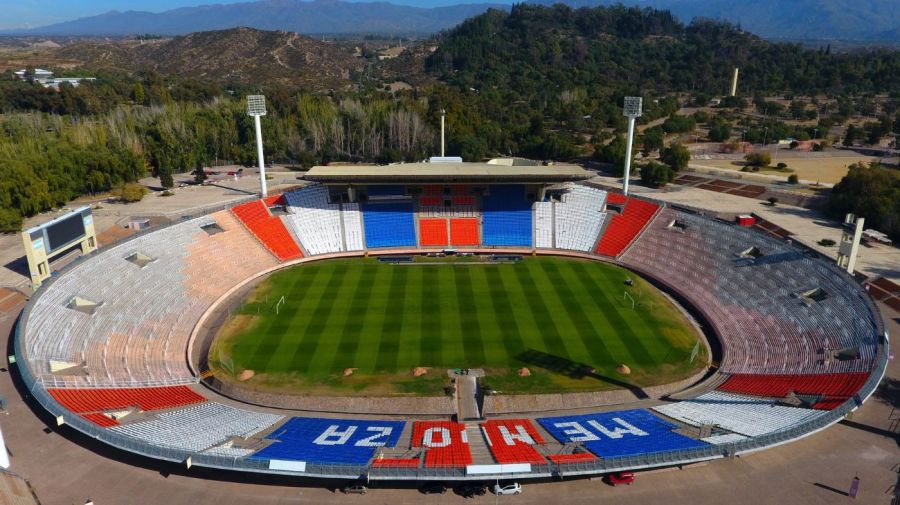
(557, 470)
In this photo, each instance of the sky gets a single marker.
(34, 13)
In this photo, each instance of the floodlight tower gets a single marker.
(256, 107)
(443, 114)
(632, 111)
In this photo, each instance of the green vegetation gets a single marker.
(870, 191)
(827, 242)
(551, 315)
(132, 192)
(758, 159)
(656, 175)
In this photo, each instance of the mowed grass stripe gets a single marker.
(473, 339)
(389, 345)
(354, 325)
(256, 351)
(553, 342)
(499, 313)
(451, 328)
(317, 321)
(371, 318)
(517, 309)
(408, 353)
(430, 348)
(593, 342)
(641, 331)
(327, 360)
(281, 342)
(561, 311)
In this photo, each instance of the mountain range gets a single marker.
(852, 20)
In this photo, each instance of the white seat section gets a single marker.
(579, 218)
(316, 222)
(200, 427)
(743, 415)
(137, 335)
(728, 438)
(543, 225)
(353, 234)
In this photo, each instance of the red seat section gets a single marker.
(571, 458)
(432, 190)
(446, 443)
(433, 232)
(268, 229)
(100, 420)
(83, 401)
(430, 201)
(463, 200)
(831, 384)
(623, 228)
(513, 441)
(396, 463)
(835, 387)
(274, 200)
(464, 231)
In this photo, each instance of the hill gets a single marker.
(858, 20)
(240, 54)
(309, 17)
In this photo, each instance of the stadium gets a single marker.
(775, 342)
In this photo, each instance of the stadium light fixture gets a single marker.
(632, 111)
(256, 107)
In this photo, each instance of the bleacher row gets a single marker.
(178, 418)
(752, 285)
(97, 360)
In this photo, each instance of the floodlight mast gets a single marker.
(632, 111)
(443, 114)
(256, 107)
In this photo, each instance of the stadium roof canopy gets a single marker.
(446, 173)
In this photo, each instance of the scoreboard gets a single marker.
(46, 241)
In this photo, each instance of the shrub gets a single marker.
(167, 193)
(827, 242)
(793, 179)
(132, 192)
(772, 200)
(781, 165)
(758, 159)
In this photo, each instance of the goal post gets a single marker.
(626, 297)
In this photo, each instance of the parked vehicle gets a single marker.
(433, 488)
(355, 489)
(619, 478)
(472, 489)
(514, 488)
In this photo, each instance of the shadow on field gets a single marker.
(574, 370)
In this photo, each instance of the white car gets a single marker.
(514, 488)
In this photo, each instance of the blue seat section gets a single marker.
(506, 217)
(330, 441)
(389, 224)
(622, 433)
(386, 190)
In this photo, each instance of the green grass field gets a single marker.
(555, 316)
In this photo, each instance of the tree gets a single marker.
(793, 179)
(653, 140)
(758, 159)
(10, 220)
(719, 131)
(656, 174)
(676, 156)
(199, 173)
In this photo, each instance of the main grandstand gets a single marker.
(105, 345)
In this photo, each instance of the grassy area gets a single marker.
(558, 317)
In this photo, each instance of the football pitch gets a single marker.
(558, 317)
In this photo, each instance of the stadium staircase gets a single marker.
(268, 229)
